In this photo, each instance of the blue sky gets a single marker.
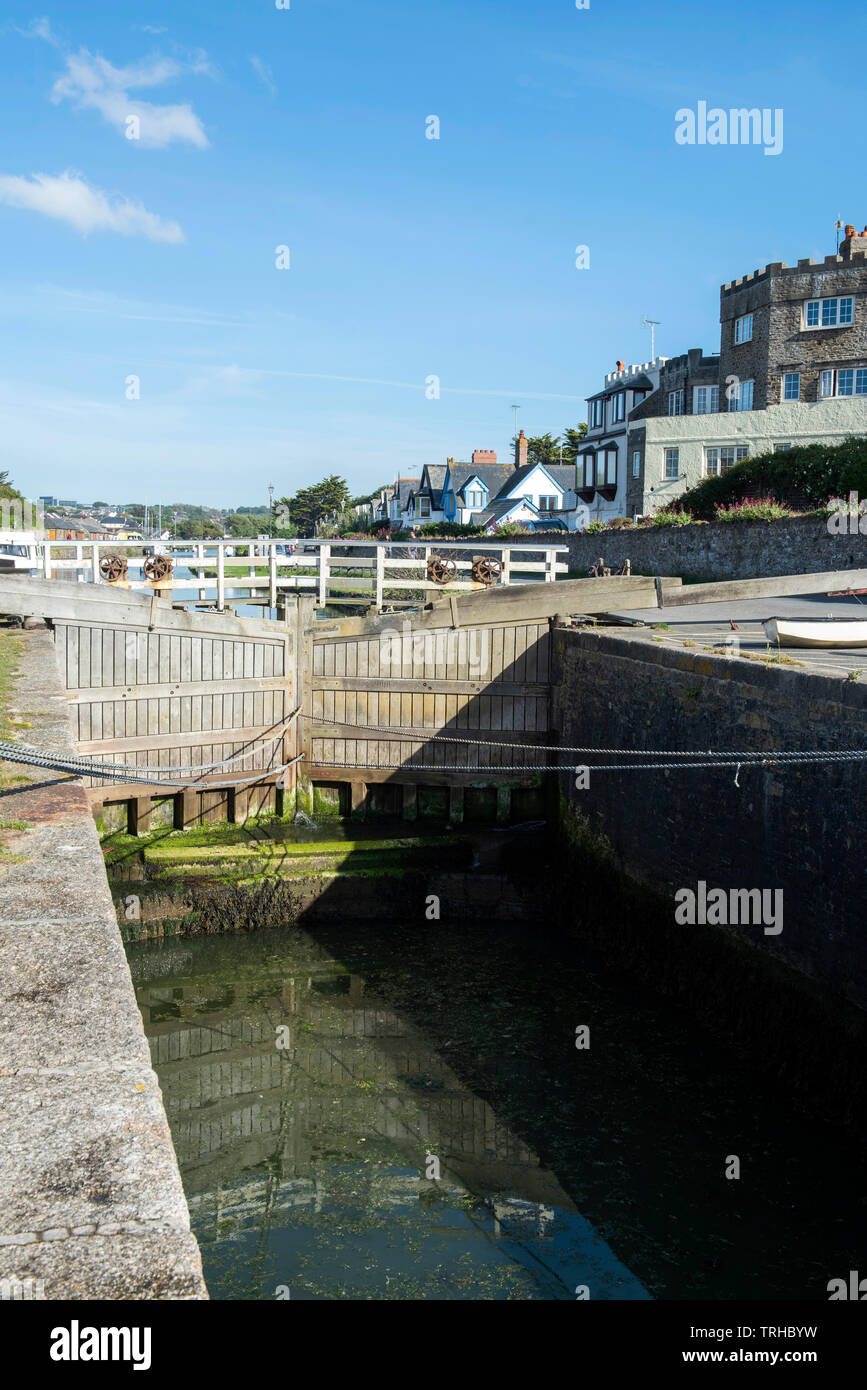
(409, 257)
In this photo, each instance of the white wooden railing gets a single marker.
(362, 574)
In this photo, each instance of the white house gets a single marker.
(674, 453)
(602, 459)
(486, 493)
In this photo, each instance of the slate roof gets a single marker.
(434, 475)
(500, 508)
(493, 475)
(403, 489)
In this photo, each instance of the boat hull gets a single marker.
(816, 632)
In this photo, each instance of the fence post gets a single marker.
(380, 575)
(506, 558)
(324, 574)
(272, 575)
(200, 556)
(221, 576)
(95, 563)
(46, 559)
(550, 563)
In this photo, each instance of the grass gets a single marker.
(10, 654)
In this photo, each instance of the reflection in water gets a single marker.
(313, 1165)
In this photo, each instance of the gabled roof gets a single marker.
(561, 474)
(491, 475)
(500, 508)
(404, 488)
(433, 475)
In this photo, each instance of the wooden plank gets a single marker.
(455, 687)
(422, 734)
(157, 691)
(238, 737)
(470, 777)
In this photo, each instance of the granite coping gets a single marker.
(91, 1200)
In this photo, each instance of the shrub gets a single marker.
(672, 514)
(593, 526)
(804, 477)
(752, 509)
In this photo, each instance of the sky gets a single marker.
(156, 157)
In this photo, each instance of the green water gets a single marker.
(424, 1049)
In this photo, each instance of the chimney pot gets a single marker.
(521, 445)
(620, 366)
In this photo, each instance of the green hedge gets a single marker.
(805, 476)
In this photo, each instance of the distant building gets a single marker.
(602, 458)
(792, 369)
(483, 492)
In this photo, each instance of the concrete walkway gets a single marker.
(697, 624)
(91, 1202)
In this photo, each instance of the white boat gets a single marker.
(816, 632)
(16, 559)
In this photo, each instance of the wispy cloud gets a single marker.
(91, 82)
(134, 310)
(68, 198)
(38, 29)
(264, 73)
(152, 28)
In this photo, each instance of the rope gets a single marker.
(120, 772)
(127, 772)
(766, 761)
(401, 735)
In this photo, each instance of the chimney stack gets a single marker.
(521, 450)
(854, 243)
(484, 456)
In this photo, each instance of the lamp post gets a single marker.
(270, 508)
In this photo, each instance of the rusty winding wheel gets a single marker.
(440, 570)
(112, 568)
(157, 568)
(486, 570)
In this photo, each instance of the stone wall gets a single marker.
(775, 297)
(91, 1201)
(719, 550)
(797, 829)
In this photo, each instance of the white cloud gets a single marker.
(69, 198)
(93, 83)
(38, 29)
(264, 73)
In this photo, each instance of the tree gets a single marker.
(308, 507)
(573, 438)
(542, 448)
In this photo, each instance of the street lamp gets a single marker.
(270, 508)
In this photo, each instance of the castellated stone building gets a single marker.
(791, 369)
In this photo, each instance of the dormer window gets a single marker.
(474, 498)
(597, 414)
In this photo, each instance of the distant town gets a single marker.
(790, 373)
